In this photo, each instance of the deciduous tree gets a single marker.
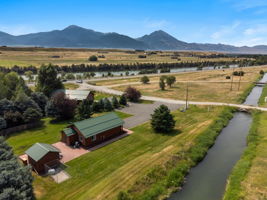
(47, 81)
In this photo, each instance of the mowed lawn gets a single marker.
(101, 174)
(48, 133)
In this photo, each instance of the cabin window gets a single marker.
(93, 138)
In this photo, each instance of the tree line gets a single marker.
(125, 67)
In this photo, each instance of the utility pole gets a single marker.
(239, 78)
(232, 79)
(186, 97)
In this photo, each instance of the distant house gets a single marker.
(42, 155)
(79, 95)
(93, 131)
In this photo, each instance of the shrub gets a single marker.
(107, 105)
(238, 73)
(141, 56)
(13, 118)
(162, 120)
(93, 58)
(228, 77)
(70, 76)
(262, 72)
(61, 107)
(123, 100)
(124, 196)
(132, 94)
(115, 102)
(144, 80)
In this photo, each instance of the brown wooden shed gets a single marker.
(41, 155)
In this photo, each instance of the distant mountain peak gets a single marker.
(73, 27)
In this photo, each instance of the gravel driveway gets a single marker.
(142, 112)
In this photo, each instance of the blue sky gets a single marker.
(237, 22)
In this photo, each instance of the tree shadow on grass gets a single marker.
(174, 132)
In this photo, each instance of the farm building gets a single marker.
(41, 155)
(93, 131)
(79, 95)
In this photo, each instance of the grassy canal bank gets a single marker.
(248, 178)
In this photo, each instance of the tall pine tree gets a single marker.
(16, 180)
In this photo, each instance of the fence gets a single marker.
(23, 127)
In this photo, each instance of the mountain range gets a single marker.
(78, 37)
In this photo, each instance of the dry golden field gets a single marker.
(37, 56)
(202, 86)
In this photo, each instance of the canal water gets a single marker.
(207, 180)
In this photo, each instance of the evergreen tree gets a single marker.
(107, 105)
(40, 99)
(162, 120)
(32, 115)
(101, 104)
(123, 100)
(3, 124)
(47, 81)
(16, 180)
(84, 110)
(96, 107)
(115, 102)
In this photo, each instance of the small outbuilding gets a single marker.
(93, 131)
(41, 156)
(79, 95)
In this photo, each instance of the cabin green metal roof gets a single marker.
(93, 126)
(39, 150)
(77, 94)
(69, 131)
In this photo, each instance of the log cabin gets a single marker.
(93, 131)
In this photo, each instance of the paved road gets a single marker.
(169, 101)
(142, 112)
(139, 83)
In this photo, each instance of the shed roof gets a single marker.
(93, 126)
(69, 131)
(39, 150)
(77, 94)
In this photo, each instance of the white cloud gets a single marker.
(257, 29)
(225, 30)
(247, 4)
(17, 29)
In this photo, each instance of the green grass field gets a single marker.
(48, 133)
(248, 178)
(101, 174)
